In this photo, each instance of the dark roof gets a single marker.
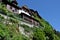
(32, 10)
(25, 8)
(6, 2)
(35, 12)
(28, 16)
(38, 15)
(14, 2)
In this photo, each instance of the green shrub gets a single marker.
(9, 33)
(13, 20)
(26, 28)
(56, 37)
(38, 34)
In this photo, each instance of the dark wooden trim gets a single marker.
(6, 2)
(28, 16)
(14, 2)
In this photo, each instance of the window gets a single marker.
(15, 10)
(10, 7)
(33, 22)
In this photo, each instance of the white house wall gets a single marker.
(8, 7)
(22, 11)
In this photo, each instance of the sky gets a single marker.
(47, 9)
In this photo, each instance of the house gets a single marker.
(27, 18)
(24, 12)
(11, 6)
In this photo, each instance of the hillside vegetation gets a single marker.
(11, 31)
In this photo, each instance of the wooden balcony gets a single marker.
(29, 20)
